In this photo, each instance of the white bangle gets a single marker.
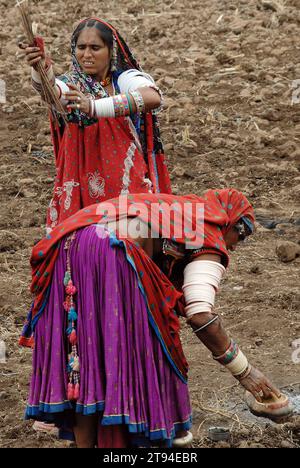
(201, 280)
(63, 88)
(104, 107)
(197, 308)
(238, 365)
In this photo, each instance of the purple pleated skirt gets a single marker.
(124, 373)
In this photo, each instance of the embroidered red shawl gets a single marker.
(219, 210)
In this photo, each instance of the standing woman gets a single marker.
(111, 144)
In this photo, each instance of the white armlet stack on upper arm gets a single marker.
(201, 281)
(131, 80)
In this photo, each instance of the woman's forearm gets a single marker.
(59, 86)
(213, 336)
(210, 331)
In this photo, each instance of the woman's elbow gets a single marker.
(156, 100)
(197, 320)
(152, 98)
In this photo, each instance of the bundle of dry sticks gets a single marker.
(48, 89)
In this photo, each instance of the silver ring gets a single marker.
(78, 106)
(79, 98)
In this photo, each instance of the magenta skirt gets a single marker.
(125, 376)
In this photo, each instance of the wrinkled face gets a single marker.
(232, 238)
(92, 53)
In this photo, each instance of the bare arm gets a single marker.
(216, 339)
(151, 97)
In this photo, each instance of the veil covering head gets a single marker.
(229, 207)
(122, 57)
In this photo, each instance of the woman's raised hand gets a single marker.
(33, 54)
(259, 385)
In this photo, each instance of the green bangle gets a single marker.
(129, 104)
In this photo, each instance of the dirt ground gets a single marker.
(226, 68)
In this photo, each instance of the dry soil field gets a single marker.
(227, 69)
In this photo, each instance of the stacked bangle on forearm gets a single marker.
(235, 361)
(244, 374)
(121, 105)
(104, 107)
(229, 355)
(139, 101)
(129, 104)
(114, 106)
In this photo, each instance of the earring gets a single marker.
(114, 55)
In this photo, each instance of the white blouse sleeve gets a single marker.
(60, 86)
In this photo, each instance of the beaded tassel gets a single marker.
(69, 306)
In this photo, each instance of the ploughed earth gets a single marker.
(231, 118)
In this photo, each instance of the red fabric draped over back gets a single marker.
(218, 209)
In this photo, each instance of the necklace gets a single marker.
(106, 82)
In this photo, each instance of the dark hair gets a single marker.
(104, 31)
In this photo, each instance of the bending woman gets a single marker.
(107, 360)
(112, 143)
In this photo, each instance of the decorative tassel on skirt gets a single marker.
(69, 306)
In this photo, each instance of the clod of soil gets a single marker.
(287, 251)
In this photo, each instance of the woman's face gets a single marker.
(92, 53)
(232, 239)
